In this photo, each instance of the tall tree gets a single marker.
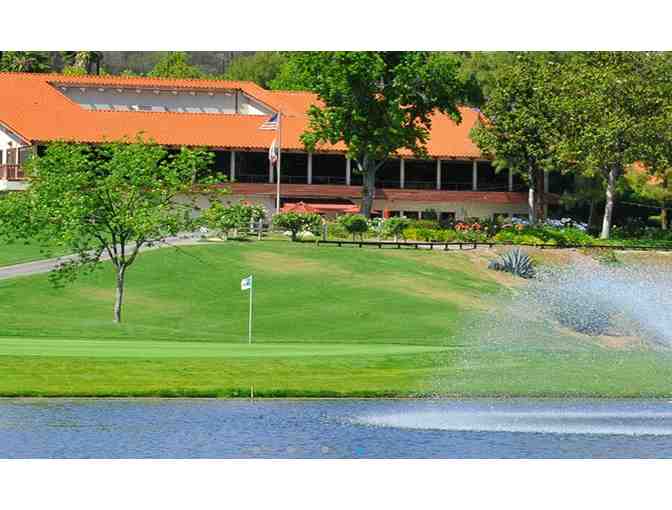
(261, 68)
(110, 199)
(656, 188)
(378, 103)
(25, 62)
(609, 108)
(518, 126)
(175, 65)
(82, 62)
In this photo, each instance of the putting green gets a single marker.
(157, 349)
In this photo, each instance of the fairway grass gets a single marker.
(328, 322)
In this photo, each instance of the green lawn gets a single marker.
(19, 252)
(328, 322)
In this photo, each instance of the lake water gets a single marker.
(203, 428)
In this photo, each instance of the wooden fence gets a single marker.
(464, 245)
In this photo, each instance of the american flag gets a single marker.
(273, 152)
(271, 124)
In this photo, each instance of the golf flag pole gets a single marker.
(246, 284)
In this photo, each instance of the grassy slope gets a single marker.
(329, 322)
(18, 252)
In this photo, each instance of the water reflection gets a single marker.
(148, 428)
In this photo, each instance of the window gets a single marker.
(147, 108)
(447, 216)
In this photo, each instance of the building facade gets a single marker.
(456, 181)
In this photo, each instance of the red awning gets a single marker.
(302, 207)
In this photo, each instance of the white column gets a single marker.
(233, 166)
(438, 174)
(546, 184)
(310, 168)
(474, 176)
(348, 168)
(402, 173)
(510, 180)
(270, 172)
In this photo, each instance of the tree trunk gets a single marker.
(591, 214)
(539, 196)
(609, 204)
(120, 294)
(368, 169)
(664, 219)
(532, 195)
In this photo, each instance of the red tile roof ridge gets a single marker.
(114, 78)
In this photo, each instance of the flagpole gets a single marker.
(277, 184)
(249, 325)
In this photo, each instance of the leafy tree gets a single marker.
(261, 68)
(609, 110)
(656, 188)
(110, 199)
(297, 222)
(587, 190)
(25, 62)
(175, 65)
(395, 227)
(82, 62)
(518, 129)
(378, 103)
(235, 217)
(354, 224)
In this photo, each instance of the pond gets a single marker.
(210, 428)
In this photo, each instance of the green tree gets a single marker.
(175, 65)
(518, 129)
(82, 62)
(237, 217)
(297, 222)
(25, 62)
(261, 68)
(110, 199)
(354, 224)
(395, 227)
(656, 188)
(378, 103)
(609, 110)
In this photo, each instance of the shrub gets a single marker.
(237, 217)
(298, 222)
(335, 230)
(354, 224)
(395, 227)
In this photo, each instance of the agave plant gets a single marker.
(516, 262)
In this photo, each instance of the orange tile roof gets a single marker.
(38, 112)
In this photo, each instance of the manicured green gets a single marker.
(19, 252)
(328, 322)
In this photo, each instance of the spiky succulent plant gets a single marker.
(516, 262)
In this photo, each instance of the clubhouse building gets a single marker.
(224, 116)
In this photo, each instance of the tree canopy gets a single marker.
(518, 129)
(262, 68)
(609, 109)
(107, 200)
(175, 65)
(25, 61)
(378, 103)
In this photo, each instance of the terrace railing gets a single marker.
(11, 173)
